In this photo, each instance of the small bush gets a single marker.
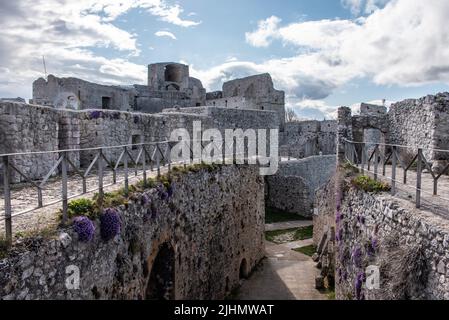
(367, 184)
(3, 247)
(110, 224)
(85, 228)
(81, 207)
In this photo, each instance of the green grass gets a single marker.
(307, 250)
(302, 233)
(275, 215)
(331, 295)
(368, 184)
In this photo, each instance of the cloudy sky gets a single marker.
(323, 53)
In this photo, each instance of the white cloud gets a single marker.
(265, 32)
(405, 43)
(165, 34)
(67, 32)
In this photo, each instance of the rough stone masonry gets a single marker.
(197, 244)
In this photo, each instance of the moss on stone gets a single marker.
(307, 250)
(368, 184)
(275, 215)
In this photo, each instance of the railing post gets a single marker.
(435, 187)
(376, 162)
(125, 168)
(7, 194)
(100, 178)
(363, 158)
(65, 203)
(158, 161)
(393, 171)
(144, 167)
(418, 179)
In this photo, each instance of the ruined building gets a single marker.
(169, 86)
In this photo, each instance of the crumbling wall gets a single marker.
(407, 245)
(422, 123)
(308, 138)
(213, 223)
(254, 92)
(293, 187)
(76, 94)
(26, 128)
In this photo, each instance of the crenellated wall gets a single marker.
(199, 243)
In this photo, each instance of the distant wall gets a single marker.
(293, 188)
(309, 138)
(76, 94)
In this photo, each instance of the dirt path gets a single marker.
(284, 275)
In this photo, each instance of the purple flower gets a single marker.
(110, 224)
(85, 228)
(163, 195)
(145, 200)
(338, 217)
(372, 247)
(358, 286)
(170, 190)
(339, 235)
(95, 114)
(357, 257)
(150, 214)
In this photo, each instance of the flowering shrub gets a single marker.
(95, 114)
(145, 200)
(339, 235)
(170, 190)
(163, 194)
(338, 217)
(358, 286)
(85, 228)
(357, 257)
(110, 224)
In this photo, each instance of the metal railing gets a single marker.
(373, 157)
(142, 157)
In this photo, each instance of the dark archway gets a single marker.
(243, 273)
(173, 73)
(161, 284)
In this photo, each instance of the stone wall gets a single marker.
(75, 94)
(421, 122)
(408, 245)
(209, 234)
(309, 138)
(293, 188)
(25, 128)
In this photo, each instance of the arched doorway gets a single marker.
(161, 284)
(243, 274)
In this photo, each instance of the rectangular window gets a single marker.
(105, 102)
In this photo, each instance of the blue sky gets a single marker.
(323, 53)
